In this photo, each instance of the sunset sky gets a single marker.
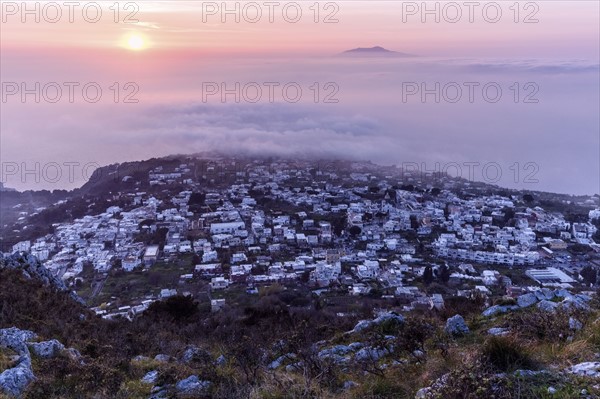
(175, 48)
(564, 29)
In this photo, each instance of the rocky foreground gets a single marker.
(543, 344)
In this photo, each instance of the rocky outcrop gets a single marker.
(15, 380)
(429, 392)
(575, 324)
(385, 317)
(161, 357)
(545, 294)
(546, 300)
(547, 306)
(579, 302)
(587, 369)
(456, 326)
(498, 331)
(280, 360)
(221, 361)
(338, 350)
(496, 309)
(195, 354)
(32, 268)
(372, 354)
(362, 325)
(159, 392)
(16, 339)
(150, 377)
(47, 349)
(527, 300)
(192, 386)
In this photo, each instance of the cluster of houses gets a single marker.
(348, 227)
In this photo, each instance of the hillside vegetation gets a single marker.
(277, 348)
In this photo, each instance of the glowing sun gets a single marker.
(136, 42)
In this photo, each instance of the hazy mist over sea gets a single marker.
(378, 116)
(507, 103)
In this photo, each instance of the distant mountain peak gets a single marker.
(376, 51)
(369, 50)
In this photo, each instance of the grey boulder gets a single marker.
(162, 357)
(547, 306)
(15, 380)
(496, 309)
(456, 326)
(47, 349)
(498, 331)
(191, 386)
(16, 339)
(575, 324)
(586, 369)
(150, 377)
(371, 354)
(527, 300)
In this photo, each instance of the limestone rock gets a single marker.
(587, 369)
(162, 358)
(191, 385)
(371, 354)
(14, 381)
(498, 331)
(365, 324)
(194, 354)
(16, 339)
(527, 300)
(493, 310)
(575, 324)
(150, 377)
(47, 349)
(221, 360)
(338, 350)
(547, 306)
(31, 267)
(456, 326)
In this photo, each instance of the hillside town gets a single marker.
(359, 229)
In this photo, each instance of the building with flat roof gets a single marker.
(226, 228)
(150, 255)
(549, 275)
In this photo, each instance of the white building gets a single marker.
(130, 262)
(226, 228)
(22, 246)
(209, 256)
(549, 276)
(217, 283)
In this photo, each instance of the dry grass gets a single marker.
(134, 390)
(564, 355)
(5, 359)
(280, 385)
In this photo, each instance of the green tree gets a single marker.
(444, 274)
(589, 274)
(355, 230)
(428, 275)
